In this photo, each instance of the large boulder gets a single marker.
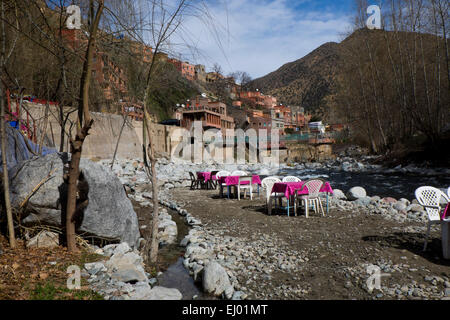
(356, 193)
(215, 279)
(107, 214)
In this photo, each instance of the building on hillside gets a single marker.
(277, 120)
(213, 115)
(110, 76)
(200, 73)
(212, 77)
(258, 99)
(162, 57)
(237, 103)
(240, 116)
(133, 110)
(259, 119)
(141, 50)
(299, 118)
(186, 69)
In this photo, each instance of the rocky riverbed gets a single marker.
(234, 250)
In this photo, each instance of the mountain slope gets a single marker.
(307, 82)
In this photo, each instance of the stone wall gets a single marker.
(299, 152)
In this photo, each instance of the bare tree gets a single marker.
(84, 124)
(3, 58)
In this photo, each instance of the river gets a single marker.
(396, 185)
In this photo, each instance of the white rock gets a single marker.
(44, 239)
(161, 293)
(122, 248)
(356, 193)
(215, 279)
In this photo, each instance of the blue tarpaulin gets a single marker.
(17, 150)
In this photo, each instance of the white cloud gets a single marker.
(258, 36)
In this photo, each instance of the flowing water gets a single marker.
(176, 275)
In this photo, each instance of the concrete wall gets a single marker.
(103, 136)
(100, 144)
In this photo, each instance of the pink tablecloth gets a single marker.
(234, 180)
(288, 188)
(206, 176)
(446, 212)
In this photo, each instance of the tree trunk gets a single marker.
(12, 238)
(83, 127)
(154, 242)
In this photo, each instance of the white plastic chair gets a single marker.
(219, 174)
(291, 179)
(312, 197)
(245, 187)
(429, 198)
(267, 184)
(239, 173)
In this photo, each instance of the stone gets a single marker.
(161, 293)
(399, 206)
(108, 250)
(142, 291)
(389, 200)
(108, 213)
(405, 201)
(228, 293)
(339, 194)
(44, 239)
(95, 267)
(152, 281)
(126, 267)
(129, 273)
(215, 279)
(122, 248)
(356, 193)
(414, 208)
(364, 201)
(237, 295)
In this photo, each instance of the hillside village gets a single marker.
(248, 109)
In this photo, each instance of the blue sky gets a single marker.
(259, 36)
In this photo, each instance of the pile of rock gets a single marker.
(427, 287)
(357, 198)
(122, 276)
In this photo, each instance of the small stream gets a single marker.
(176, 275)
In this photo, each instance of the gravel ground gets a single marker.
(280, 257)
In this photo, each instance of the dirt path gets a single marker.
(321, 257)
